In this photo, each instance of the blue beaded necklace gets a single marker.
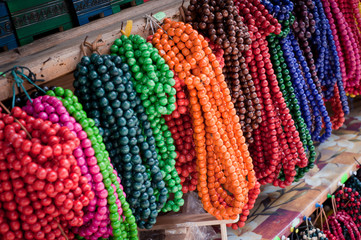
(315, 99)
(327, 60)
(280, 9)
(283, 74)
(308, 96)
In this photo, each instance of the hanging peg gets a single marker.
(318, 205)
(339, 184)
(318, 214)
(358, 163)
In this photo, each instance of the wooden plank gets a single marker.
(223, 231)
(277, 210)
(188, 220)
(57, 55)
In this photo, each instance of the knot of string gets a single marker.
(94, 46)
(19, 76)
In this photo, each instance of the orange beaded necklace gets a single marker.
(224, 165)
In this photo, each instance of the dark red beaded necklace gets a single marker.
(339, 221)
(349, 200)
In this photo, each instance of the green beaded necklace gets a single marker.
(285, 84)
(154, 83)
(121, 230)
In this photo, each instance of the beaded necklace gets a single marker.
(223, 160)
(314, 36)
(220, 21)
(347, 43)
(283, 150)
(103, 84)
(315, 99)
(70, 102)
(340, 223)
(348, 199)
(280, 66)
(153, 81)
(308, 93)
(38, 186)
(50, 108)
(329, 69)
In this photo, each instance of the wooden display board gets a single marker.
(57, 55)
(183, 225)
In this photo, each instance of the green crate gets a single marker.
(117, 4)
(17, 5)
(32, 18)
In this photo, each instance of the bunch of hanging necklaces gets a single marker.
(314, 35)
(281, 59)
(275, 157)
(220, 21)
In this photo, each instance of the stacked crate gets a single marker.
(34, 18)
(117, 4)
(7, 36)
(87, 9)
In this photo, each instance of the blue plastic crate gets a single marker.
(85, 9)
(7, 37)
(3, 10)
(8, 42)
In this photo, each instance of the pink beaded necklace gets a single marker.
(341, 15)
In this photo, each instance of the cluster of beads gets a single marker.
(275, 158)
(328, 66)
(224, 166)
(302, 29)
(342, 227)
(181, 128)
(344, 18)
(312, 233)
(50, 108)
(348, 199)
(103, 85)
(154, 82)
(42, 190)
(96, 220)
(182, 133)
(280, 59)
(220, 21)
(127, 228)
(180, 125)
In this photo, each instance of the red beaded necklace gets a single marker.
(336, 221)
(39, 179)
(277, 147)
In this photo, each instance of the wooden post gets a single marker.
(224, 231)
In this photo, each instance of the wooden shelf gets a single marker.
(187, 220)
(57, 55)
(277, 210)
(178, 226)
